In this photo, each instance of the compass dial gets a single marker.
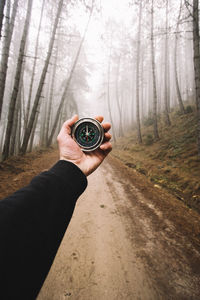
(88, 133)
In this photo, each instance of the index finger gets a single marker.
(99, 118)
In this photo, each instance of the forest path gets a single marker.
(127, 240)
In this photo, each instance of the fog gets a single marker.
(125, 60)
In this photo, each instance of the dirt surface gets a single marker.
(127, 239)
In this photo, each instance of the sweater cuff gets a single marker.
(71, 174)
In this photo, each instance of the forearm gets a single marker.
(32, 224)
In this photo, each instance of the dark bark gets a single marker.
(196, 58)
(156, 135)
(9, 26)
(139, 135)
(41, 83)
(180, 101)
(121, 133)
(34, 67)
(108, 95)
(16, 82)
(49, 111)
(166, 85)
(2, 5)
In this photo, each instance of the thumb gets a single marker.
(69, 123)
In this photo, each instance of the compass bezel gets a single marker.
(100, 130)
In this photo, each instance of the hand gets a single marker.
(70, 151)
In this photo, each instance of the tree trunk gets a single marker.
(55, 124)
(156, 135)
(41, 83)
(2, 4)
(34, 67)
(108, 95)
(166, 85)
(180, 101)
(117, 97)
(16, 82)
(9, 26)
(196, 58)
(138, 77)
(49, 111)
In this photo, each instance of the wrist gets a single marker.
(77, 163)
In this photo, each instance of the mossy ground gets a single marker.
(172, 161)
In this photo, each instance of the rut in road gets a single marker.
(119, 245)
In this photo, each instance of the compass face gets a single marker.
(88, 133)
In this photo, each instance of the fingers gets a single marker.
(99, 118)
(106, 147)
(106, 126)
(107, 136)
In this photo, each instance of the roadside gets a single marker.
(171, 162)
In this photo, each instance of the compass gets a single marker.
(88, 134)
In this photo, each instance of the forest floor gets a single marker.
(171, 162)
(128, 239)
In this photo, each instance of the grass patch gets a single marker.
(171, 162)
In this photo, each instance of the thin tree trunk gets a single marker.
(166, 85)
(55, 124)
(49, 111)
(117, 97)
(196, 58)
(17, 81)
(156, 135)
(9, 26)
(34, 67)
(108, 96)
(180, 101)
(2, 4)
(138, 77)
(41, 83)
(15, 125)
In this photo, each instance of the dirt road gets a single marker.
(128, 239)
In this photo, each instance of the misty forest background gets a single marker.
(130, 61)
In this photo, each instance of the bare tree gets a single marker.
(41, 83)
(166, 85)
(180, 101)
(2, 4)
(108, 92)
(118, 97)
(138, 75)
(156, 135)
(63, 98)
(34, 67)
(196, 48)
(16, 82)
(9, 26)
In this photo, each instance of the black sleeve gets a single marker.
(32, 224)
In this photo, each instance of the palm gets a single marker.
(69, 150)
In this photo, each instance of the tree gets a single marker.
(2, 4)
(138, 75)
(16, 82)
(196, 41)
(155, 121)
(166, 95)
(69, 79)
(9, 26)
(180, 101)
(34, 67)
(41, 83)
